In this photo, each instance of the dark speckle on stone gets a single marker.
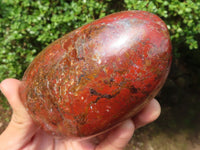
(133, 89)
(94, 92)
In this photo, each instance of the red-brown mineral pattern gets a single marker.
(98, 75)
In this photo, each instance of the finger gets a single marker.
(150, 113)
(21, 127)
(118, 137)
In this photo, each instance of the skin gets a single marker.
(23, 134)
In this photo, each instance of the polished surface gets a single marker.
(98, 75)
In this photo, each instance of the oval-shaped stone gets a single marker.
(98, 75)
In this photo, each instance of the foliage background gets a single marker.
(28, 26)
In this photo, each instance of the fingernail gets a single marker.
(3, 100)
(1, 89)
(3, 86)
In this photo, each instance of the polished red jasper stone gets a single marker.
(98, 75)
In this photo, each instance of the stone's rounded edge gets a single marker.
(80, 130)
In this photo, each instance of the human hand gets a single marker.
(23, 134)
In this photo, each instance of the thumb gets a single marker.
(10, 89)
(21, 127)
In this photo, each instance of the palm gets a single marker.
(42, 140)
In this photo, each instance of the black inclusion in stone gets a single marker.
(133, 89)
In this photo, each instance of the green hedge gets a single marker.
(27, 26)
(182, 19)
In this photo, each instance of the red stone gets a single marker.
(98, 75)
